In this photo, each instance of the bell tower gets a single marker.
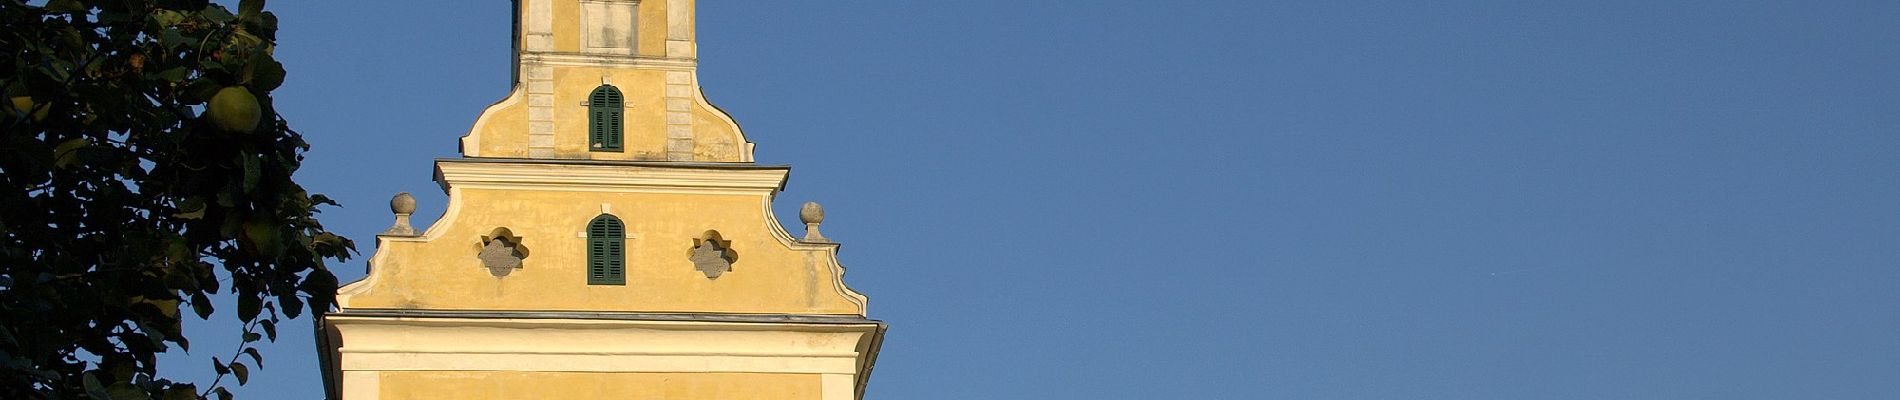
(606, 80)
(607, 236)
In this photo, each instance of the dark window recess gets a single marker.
(605, 110)
(606, 251)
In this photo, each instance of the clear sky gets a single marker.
(1254, 199)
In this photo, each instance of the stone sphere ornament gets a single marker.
(403, 203)
(812, 214)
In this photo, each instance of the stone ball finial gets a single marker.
(811, 213)
(403, 203)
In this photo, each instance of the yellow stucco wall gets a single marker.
(441, 271)
(651, 35)
(714, 138)
(642, 77)
(567, 37)
(502, 128)
(432, 321)
(432, 385)
(508, 113)
(645, 136)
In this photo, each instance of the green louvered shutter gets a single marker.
(604, 118)
(606, 251)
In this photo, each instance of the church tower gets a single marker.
(607, 236)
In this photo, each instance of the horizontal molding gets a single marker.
(814, 354)
(595, 363)
(608, 315)
(607, 60)
(605, 176)
(391, 343)
(546, 322)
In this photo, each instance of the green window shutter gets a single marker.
(605, 108)
(596, 129)
(606, 251)
(614, 125)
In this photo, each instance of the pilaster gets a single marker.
(539, 77)
(680, 93)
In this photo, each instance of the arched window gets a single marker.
(604, 118)
(606, 251)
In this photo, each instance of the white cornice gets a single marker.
(607, 60)
(503, 344)
(533, 320)
(589, 176)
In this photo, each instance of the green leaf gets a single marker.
(68, 152)
(248, 307)
(217, 13)
(249, 351)
(175, 74)
(91, 382)
(248, 9)
(166, 307)
(110, 17)
(200, 90)
(270, 329)
(57, 69)
(266, 26)
(65, 6)
(192, 208)
(117, 370)
(125, 391)
(167, 18)
(268, 73)
(321, 285)
(292, 306)
(242, 373)
(171, 38)
(182, 392)
(252, 337)
(319, 281)
(251, 173)
(94, 67)
(178, 277)
(219, 366)
(201, 304)
(327, 239)
(262, 236)
(157, 334)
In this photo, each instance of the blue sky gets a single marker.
(1246, 199)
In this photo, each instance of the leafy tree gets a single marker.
(142, 170)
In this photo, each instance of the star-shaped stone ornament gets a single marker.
(710, 258)
(502, 254)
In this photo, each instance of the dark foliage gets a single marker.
(122, 203)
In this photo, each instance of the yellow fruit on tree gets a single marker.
(24, 104)
(234, 109)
